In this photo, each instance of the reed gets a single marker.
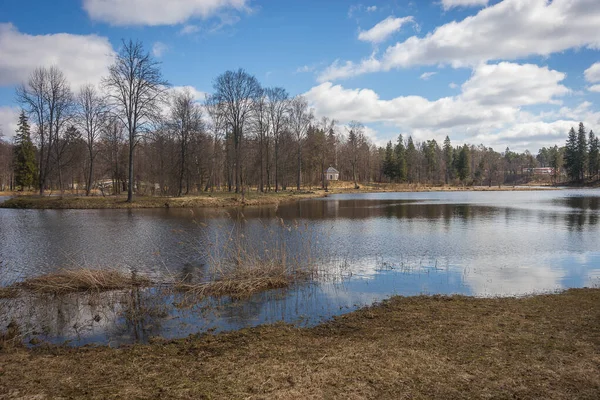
(82, 280)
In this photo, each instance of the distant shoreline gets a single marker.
(225, 199)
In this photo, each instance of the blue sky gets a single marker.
(512, 73)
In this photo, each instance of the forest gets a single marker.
(136, 134)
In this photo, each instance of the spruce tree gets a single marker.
(25, 168)
(388, 162)
(448, 159)
(582, 152)
(464, 163)
(571, 164)
(400, 159)
(594, 156)
(411, 160)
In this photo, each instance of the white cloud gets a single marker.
(83, 59)
(594, 88)
(592, 74)
(452, 85)
(490, 102)
(383, 29)
(509, 30)
(448, 4)
(426, 75)
(371, 8)
(304, 69)
(514, 85)
(189, 29)
(158, 49)
(8, 120)
(159, 12)
(199, 95)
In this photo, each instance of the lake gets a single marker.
(376, 245)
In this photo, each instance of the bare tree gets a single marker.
(186, 121)
(91, 114)
(217, 126)
(236, 92)
(300, 119)
(356, 138)
(48, 100)
(278, 105)
(262, 127)
(136, 89)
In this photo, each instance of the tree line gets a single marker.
(135, 134)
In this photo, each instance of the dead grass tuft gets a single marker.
(8, 292)
(83, 280)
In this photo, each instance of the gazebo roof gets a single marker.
(332, 170)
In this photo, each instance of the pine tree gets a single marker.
(464, 163)
(25, 168)
(582, 152)
(594, 155)
(448, 159)
(400, 159)
(571, 156)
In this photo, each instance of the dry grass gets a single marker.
(8, 292)
(82, 280)
(541, 347)
(239, 266)
(217, 199)
(227, 199)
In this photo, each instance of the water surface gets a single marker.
(473, 243)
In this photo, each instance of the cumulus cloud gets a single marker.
(448, 4)
(514, 85)
(189, 29)
(158, 49)
(199, 95)
(83, 58)
(594, 88)
(383, 29)
(426, 75)
(159, 12)
(8, 120)
(509, 30)
(489, 101)
(592, 75)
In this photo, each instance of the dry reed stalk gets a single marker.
(82, 280)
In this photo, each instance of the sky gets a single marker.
(511, 73)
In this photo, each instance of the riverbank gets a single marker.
(545, 346)
(227, 199)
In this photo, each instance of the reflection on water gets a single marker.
(476, 243)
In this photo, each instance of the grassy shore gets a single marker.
(545, 347)
(225, 199)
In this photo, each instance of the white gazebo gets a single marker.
(332, 174)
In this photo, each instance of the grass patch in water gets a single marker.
(82, 280)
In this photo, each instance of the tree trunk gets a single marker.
(130, 183)
(299, 177)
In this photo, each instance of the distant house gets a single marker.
(332, 174)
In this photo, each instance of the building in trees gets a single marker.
(332, 174)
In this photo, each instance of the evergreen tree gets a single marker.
(448, 159)
(24, 164)
(411, 160)
(571, 156)
(464, 163)
(400, 159)
(389, 168)
(594, 155)
(582, 152)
